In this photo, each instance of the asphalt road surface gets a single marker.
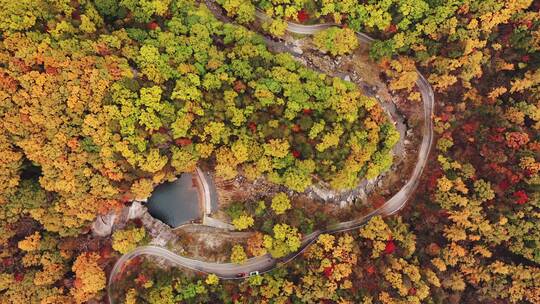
(266, 263)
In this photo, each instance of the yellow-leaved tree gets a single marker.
(89, 277)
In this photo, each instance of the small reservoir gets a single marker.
(176, 203)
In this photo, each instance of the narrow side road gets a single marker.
(266, 262)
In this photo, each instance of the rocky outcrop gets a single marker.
(160, 233)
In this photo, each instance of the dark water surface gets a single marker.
(175, 203)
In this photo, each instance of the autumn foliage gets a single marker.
(100, 101)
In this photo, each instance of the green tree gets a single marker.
(126, 240)
(243, 11)
(238, 255)
(243, 222)
(285, 240)
(143, 10)
(336, 41)
(280, 203)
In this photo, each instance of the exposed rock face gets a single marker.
(136, 210)
(160, 233)
(345, 197)
(103, 225)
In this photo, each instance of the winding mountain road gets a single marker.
(266, 262)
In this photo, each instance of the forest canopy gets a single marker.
(107, 106)
(103, 100)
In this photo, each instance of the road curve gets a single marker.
(266, 262)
